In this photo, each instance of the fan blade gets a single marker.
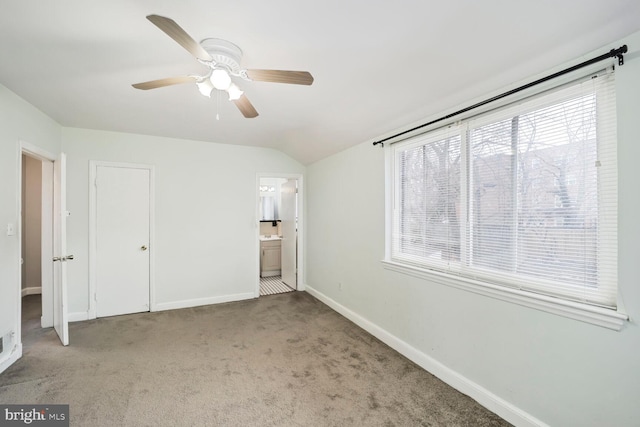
(245, 107)
(176, 32)
(280, 76)
(153, 84)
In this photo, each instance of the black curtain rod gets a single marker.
(612, 53)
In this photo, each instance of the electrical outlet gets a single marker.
(339, 286)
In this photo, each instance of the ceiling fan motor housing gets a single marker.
(224, 53)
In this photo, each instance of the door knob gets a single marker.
(143, 247)
(62, 258)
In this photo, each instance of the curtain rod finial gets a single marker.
(619, 52)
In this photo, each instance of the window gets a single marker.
(523, 197)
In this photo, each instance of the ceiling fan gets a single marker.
(222, 59)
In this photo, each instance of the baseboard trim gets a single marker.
(175, 305)
(499, 406)
(80, 316)
(33, 290)
(14, 355)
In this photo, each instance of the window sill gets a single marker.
(599, 316)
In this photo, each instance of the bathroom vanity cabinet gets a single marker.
(269, 257)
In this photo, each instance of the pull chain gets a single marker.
(217, 105)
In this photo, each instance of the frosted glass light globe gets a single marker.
(220, 79)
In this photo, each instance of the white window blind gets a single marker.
(524, 196)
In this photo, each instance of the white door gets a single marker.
(122, 240)
(47, 233)
(288, 228)
(60, 257)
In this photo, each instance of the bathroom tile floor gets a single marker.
(273, 285)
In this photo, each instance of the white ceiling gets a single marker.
(378, 65)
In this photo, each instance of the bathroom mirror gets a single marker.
(270, 198)
(268, 208)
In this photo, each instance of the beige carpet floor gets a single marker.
(281, 360)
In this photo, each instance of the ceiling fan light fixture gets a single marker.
(222, 59)
(205, 87)
(234, 92)
(220, 79)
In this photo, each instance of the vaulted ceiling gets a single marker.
(378, 65)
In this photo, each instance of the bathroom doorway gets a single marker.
(279, 234)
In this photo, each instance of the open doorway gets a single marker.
(36, 243)
(279, 234)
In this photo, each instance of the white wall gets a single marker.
(534, 366)
(18, 121)
(205, 213)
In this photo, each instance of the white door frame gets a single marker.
(300, 275)
(47, 238)
(93, 230)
